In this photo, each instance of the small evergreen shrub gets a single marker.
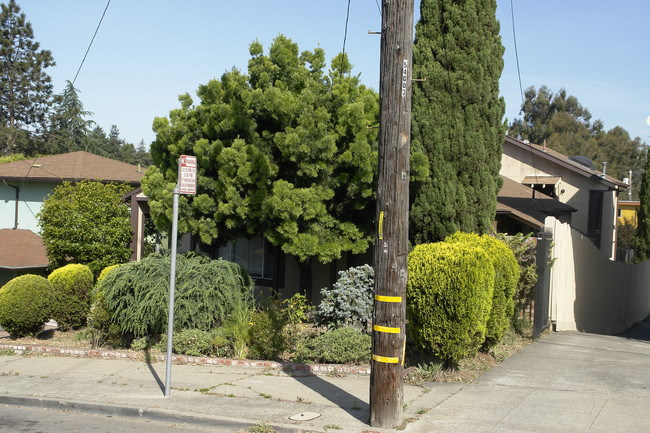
(449, 292)
(25, 305)
(349, 301)
(506, 275)
(136, 294)
(337, 346)
(71, 292)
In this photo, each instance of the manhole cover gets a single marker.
(305, 416)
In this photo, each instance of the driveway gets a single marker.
(565, 382)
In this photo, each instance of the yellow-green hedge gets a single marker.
(71, 288)
(506, 276)
(449, 291)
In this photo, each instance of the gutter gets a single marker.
(17, 202)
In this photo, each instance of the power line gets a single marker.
(347, 19)
(91, 42)
(514, 37)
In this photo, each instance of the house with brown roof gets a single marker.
(571, 180)
(25, 184)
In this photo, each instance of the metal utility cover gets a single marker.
(305, 416)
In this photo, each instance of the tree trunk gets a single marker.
(306, 281)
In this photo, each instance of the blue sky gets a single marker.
(147, 52)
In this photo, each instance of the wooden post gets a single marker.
(391, 246)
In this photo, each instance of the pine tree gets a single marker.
(25, 87)
(69, 131)
(641, 242)
(457, 117)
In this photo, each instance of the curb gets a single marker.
(315, 369)
(142, 413)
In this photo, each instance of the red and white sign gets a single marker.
(187, 174)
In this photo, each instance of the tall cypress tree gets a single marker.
(457, 117)
(641, 242)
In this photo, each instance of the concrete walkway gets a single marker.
(566, 382)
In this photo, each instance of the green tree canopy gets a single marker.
(560, 121)
(457, 117)
(86, 223)
(25, 87)
(286, 152)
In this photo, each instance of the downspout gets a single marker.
(17, 201)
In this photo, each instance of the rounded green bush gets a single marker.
(71, 289)
(506, 276)
(25, 305)
(449, 292)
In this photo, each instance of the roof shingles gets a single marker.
(72, 166)
(21, 249)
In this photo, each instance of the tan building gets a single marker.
(572, 181)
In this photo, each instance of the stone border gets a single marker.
(22, 349)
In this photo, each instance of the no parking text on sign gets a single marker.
(187, 174)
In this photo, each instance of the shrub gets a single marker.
(194, 342)
(25, 305)
(86, 222)
(71, 291)
(506, 275)
(236, 330)
(349, 302)
(136, 294)
(267, 336)
(449, 289)
(338, 346)
(100, 328)
(105, 272)
(524, 249)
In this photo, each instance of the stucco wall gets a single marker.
(573, 189)
(591, 293)
(32, 195)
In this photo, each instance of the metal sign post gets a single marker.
(186, 184)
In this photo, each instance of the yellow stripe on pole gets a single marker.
(381, 298)
(386, 329)
(380, 228)
(385, 359)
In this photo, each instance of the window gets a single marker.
(254, 255)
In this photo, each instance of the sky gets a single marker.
(147, 52)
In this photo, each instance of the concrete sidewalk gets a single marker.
(566, 382)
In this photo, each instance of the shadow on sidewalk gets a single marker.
(353, 405)
(147, 358)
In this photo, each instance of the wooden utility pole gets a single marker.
(391, 241)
